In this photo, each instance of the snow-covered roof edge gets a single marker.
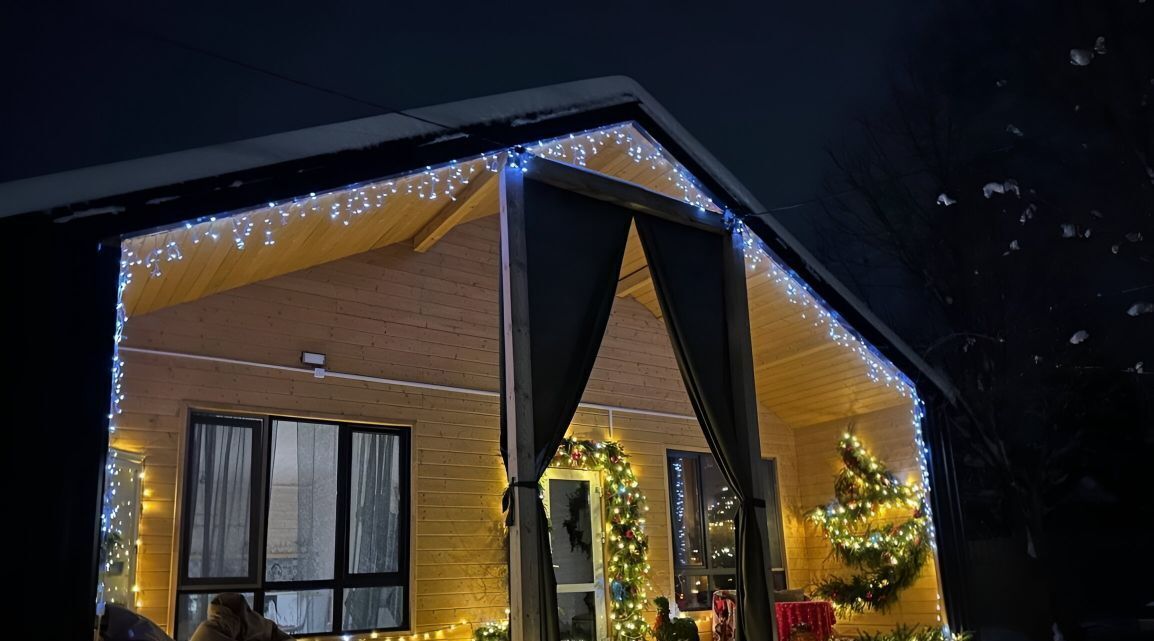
(693, 150)
(92, 183)
(516, 108)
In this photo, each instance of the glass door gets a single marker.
(573, 503)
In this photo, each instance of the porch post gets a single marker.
(525, 562)
(744, 390)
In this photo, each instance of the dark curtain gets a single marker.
(688, 269)
(59, 286)
(575, 245)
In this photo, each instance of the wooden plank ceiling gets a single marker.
(801, 374)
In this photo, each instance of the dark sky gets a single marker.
(765, 86)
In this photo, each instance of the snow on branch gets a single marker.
(1009, 186)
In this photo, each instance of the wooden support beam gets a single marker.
(634, 282)
(745, 398)
(788, 358)
(525, 558)
(619, 192)
(452, 213)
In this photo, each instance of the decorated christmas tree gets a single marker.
(865, 525)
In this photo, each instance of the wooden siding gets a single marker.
(429, 317)
(395, 313)
(888, 434)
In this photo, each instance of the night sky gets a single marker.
(765, 86)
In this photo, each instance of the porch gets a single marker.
(396, 283)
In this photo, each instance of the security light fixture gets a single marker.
(312, 358)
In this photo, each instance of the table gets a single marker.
(818, 614)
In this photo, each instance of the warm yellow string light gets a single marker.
(627, 542)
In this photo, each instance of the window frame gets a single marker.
(773, 514)
(260, 502)
(776, 526)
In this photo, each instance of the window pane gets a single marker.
(302, 510)
(220, 507)
(685, 501)
(301, 612)
(572, 531)
(723, 582)
(692, 592)
(577, 612)
(191, 611)
(720, 512)
(374, 608)
(375, 503)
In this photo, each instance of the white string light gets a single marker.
(579, 148)
(120, 542)
(877, 367)
(346, 205)
(342, 207)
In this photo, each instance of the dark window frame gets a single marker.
(343, 579)
(773, 512)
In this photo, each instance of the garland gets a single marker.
(914, 633)
(889, 557)
(492, 632)
(628, 545)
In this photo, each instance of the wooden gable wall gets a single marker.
(429, 317)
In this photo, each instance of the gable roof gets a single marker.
(130, 196)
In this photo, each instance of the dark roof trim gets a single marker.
(131, 197)
(785, 245)
(466, 118)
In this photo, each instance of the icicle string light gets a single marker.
(580, 149)
(879, 370)
(812, 308)
(344, 206)
(341, 206)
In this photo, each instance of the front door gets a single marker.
(573, 503)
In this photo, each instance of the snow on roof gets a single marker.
(514, 108)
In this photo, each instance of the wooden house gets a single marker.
(310, 336)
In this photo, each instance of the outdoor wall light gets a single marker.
(312, 358)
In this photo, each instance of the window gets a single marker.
(703, 507)
(307, 519)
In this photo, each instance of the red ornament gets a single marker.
(629, 534)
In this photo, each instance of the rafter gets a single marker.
(453, 213)
(634, 283)
(777, 362)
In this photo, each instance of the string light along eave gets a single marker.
(344, 206)
(876, 366)
(446, 181)
(578, 148)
